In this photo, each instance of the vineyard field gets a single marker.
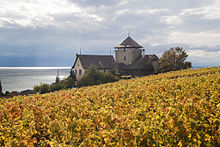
(179, 108)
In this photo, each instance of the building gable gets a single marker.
(78, 69)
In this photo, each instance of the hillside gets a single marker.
(176, 108)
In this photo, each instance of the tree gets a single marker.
(174, 59)
(57, 80)
(108, 77)
(93, 76)
(55, 87)
(67, 83)
(72, 75)
(0, 88)
(57, 77)
(42, 88)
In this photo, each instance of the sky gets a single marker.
(52, 32)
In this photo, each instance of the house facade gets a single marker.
(104, 63)
(130, 59)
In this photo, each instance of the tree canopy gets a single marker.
(174, 59)
(93, 76)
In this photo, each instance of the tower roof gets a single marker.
(129, 43)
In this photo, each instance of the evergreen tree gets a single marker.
(72, 75)
(0, 87)
(57, 77)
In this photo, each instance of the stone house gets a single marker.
(130, 59)
(104, 63)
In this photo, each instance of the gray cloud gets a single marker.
(94, 2)
(51, 30)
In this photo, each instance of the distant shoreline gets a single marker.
(193, 67)
(23, 78)
(35, 67)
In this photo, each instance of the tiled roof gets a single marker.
(129, 43)
(100, 61)
(141, 63)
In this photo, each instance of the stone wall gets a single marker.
(127, 56)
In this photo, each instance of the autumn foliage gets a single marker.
(174, 59)
(180, 108)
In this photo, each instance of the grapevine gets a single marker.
(180, 108)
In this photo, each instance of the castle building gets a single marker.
(130, 59)
(128, 51)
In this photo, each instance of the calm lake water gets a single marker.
(23, 78)
(20, 78)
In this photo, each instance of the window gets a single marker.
(76, 71)
(80, 72)
(124, 57)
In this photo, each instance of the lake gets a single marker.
(23, 78)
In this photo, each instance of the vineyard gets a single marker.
(180, 108)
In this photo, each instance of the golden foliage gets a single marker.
(178, 108)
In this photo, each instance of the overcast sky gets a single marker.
(51, 32)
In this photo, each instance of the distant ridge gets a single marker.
(197, 67)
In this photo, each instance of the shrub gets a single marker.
(63, 84)
(68, 82)
(107, 77)
(93, 76)
(55, 87)
(42, 88)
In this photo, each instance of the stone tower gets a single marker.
(128, 51)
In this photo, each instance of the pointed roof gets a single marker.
(129, 43)
(100, 61)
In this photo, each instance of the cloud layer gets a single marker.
(44, 33)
